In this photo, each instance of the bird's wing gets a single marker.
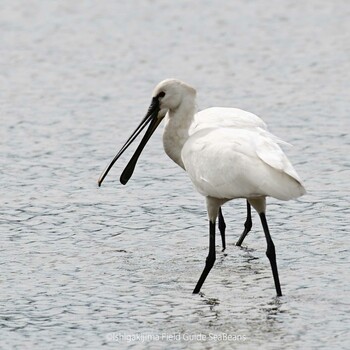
(232, 163)
(271, 153)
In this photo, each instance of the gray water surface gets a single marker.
(114, 267)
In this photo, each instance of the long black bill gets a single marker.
(152, 118)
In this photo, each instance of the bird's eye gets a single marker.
(161, 94)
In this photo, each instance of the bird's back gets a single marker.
(227, 118)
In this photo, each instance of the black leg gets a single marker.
(247, 225)
(210, 258)
(271, 254)
(222, 228)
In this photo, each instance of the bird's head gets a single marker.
(170, 93)
(167, 96)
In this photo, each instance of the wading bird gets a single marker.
(227, 153)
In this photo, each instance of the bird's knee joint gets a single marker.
(248, 225)
(270, 252)
(222, 226)
(210, 260)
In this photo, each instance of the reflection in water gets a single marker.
(210, 301)
(273, 310)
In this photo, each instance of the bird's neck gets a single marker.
(176, 129)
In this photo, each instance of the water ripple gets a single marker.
(86, 267)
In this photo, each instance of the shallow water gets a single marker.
(114, 267)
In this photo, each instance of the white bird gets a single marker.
(228, 153)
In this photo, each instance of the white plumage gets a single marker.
(233, 163)
(226, 117)
(228, 153)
